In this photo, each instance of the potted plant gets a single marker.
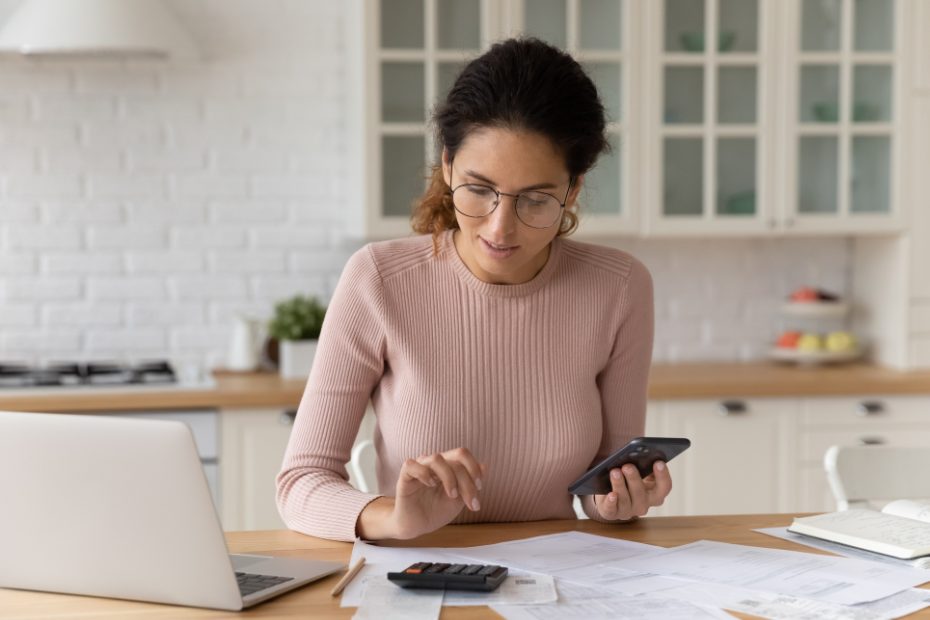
(296, 326)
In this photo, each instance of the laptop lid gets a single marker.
(112, 507)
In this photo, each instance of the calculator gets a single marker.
(442, 576)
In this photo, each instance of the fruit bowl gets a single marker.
(814, 358)
(816, 309)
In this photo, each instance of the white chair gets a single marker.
(362, 467)
(859, 475)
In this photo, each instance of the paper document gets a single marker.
(382, 600)
(520, 587)
(379, 561)
(833, 579)
(517, 589)
(783, 606)
(585, 603)
(575, 557)
(844, 550)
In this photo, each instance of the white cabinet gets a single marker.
(883, 420)
(253, 442)
(252, 447)
(738, 455)
(787, 124)
(766, 455)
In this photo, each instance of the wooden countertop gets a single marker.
(314, 601)
(668, 381)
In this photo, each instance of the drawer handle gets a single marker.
(871, 441)
(870, 407)
(732, 407)
(287, 417)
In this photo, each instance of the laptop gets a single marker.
(120, 508)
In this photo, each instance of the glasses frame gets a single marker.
(516, 198)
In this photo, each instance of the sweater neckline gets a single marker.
(502, 290)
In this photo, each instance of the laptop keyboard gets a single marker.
(250, 583)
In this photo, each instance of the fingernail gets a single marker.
(615, 474)
(475, 504)
(628, 469)
(454, 493)
(611, 497)
(660, 466)
(478, 483)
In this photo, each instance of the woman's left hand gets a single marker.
(632, 495)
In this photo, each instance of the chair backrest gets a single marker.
(859, 475)
(362, 467)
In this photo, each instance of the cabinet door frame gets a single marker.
(709, 131)
(792, 220)
(499, 19)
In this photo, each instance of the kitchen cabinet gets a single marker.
(253, 442)
(787, 124)
(766, 455)
(738, 455)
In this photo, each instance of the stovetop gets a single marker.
(80, 374)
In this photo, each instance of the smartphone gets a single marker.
(641, 451)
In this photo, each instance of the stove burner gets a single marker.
(67, 374)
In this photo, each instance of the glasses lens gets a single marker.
(538, 209)
(474, 200)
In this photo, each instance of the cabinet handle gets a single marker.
(870, 407)
(732, 407)
(872, 441)
(287, 417)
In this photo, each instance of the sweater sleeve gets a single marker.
(624, 381)
(313, 493)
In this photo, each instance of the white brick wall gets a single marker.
(143, 205)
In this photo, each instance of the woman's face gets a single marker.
(498, 248)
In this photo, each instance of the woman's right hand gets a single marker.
(431, 491)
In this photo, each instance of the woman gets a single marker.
(502, 360)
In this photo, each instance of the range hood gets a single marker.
(120, 28)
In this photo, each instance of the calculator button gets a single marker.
(437, 568)
(454, 569)
(487, 570)
(471, 569)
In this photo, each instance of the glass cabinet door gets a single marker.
(845, 109)
(710, 125)
(422, 46)
(593, 32)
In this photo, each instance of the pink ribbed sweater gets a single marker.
(539, 380)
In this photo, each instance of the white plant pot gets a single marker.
(295, 358)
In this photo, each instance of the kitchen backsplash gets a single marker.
(145, 204)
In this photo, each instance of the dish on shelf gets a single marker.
(816, 309)
(814, 358)
(693, 41)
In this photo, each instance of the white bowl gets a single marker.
(816, 309)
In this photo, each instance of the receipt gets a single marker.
(382, 600)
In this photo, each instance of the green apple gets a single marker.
(840, 341)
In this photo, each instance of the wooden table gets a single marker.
(314, 601)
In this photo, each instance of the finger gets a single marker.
(412, 470)
(468, 461)
(467, 486)
(639, 505)
(623, 500)
(441, 469)
(606, 505)
(663, 484)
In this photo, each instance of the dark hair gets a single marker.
(523, 84)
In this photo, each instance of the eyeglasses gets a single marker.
(534, 208)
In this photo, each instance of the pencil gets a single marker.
(349, 576)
